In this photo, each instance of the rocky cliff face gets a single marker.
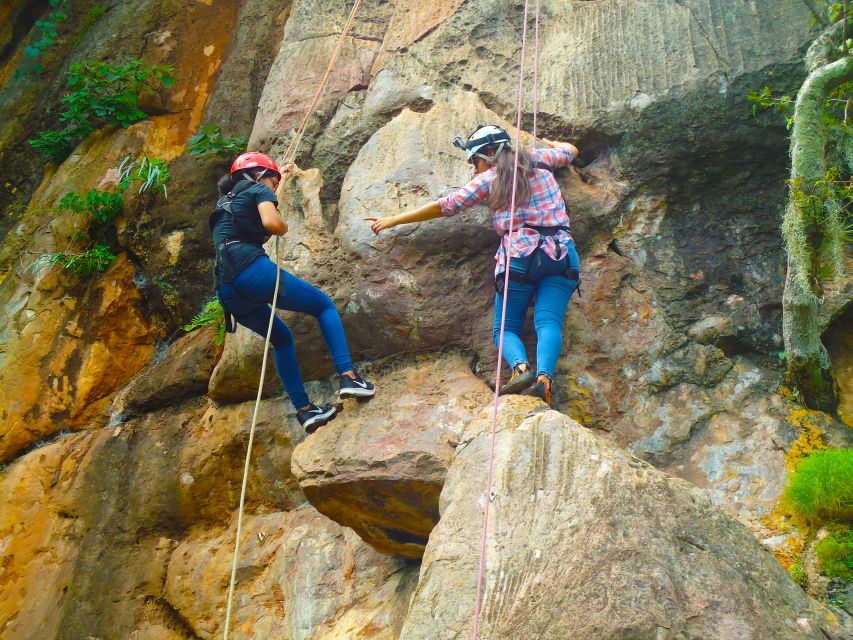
(121, 445)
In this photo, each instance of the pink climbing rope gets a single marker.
(536, 77)
(482, 568)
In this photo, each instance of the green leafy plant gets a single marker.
(765, 99)
(150, 173)
(820, 490)
(798, 574)
(212, 315)
(102, 206)
(101, 95)
(58, 145)
(49, 33)
(209, 141)
(93, 260)
(835, 554)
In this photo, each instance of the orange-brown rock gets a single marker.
(39, 535)
(300, 576)
(237, 374)
(180, 373)
(70, 355)
(211, 463)
(380, 468)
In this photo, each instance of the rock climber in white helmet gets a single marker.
(539, 251)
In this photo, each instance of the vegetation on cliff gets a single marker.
(817, 222)
(100, 95)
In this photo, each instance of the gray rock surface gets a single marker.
(586, 541)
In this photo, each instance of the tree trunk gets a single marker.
(808, 360)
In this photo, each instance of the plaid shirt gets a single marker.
(545, 208)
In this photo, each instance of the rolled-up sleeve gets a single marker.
(471, 194)
(554, 158)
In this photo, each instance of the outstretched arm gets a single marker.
(562, 145)
(427, 212)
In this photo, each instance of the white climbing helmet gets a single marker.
(483, 136)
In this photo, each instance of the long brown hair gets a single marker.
(501, 189)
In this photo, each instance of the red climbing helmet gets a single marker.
(252, 159)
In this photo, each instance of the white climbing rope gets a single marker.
(289, 156)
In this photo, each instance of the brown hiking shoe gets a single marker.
(542, 389)
(519, 381)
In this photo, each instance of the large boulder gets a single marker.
(211, 462)
(301, 577)
(586, 541)
(182, 372)
(238, 373)
(379, 468)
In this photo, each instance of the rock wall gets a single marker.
(121, 443)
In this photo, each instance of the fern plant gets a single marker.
(209, 141)
(212, 315)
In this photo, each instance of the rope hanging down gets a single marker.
(289, 156)
(490, 476)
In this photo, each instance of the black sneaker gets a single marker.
(355, 387)
(519, 381)
(315, 417)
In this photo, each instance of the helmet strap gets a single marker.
(491, 159)
(248, 176)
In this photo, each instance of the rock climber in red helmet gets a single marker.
(245, 217)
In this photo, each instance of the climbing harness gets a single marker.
(538, 264)
(490, 492)
(289, 156)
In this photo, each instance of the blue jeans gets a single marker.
(248, 297)
(552, 300)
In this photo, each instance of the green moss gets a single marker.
(798, 574)
(835, 554)
(820, 490)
